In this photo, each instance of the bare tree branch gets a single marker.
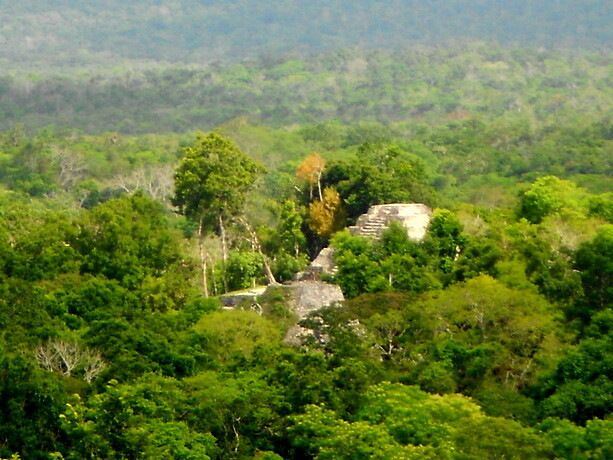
(65, 357)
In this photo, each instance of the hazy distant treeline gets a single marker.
(77, 33)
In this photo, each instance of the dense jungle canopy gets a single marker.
(156, 155)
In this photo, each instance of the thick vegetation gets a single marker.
(491, 338)
(426, 83)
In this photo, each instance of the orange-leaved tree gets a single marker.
(310, 171)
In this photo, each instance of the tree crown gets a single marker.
(213, 177)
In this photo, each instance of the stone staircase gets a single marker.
(368, 225)
(414, 216)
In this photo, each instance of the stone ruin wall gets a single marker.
(415, 217)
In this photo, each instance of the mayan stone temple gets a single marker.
(415, 217)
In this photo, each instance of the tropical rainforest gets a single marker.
(156, 155)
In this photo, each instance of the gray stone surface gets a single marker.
(310, 296)
(324, 260)
(297, 336)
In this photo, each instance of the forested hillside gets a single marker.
(55, 34)
(418, 84)
(156, 155)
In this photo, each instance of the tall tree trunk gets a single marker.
(255, 243)
(267, 271)
(203, 261)
(224, 252)
(214, 277)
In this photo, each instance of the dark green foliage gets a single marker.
(31, 402)
(286, 245)
(479, 338)
(24, 316)
(183, 379)
(38, 242)
(139, 420)
(594, 260)
(506, 301)
(379, 174)
(30, 168)
(135, 348)
(94, 299)
(244, 269)
(595, 440)
(397, 421)
(127, 239)
(547, 196)
(580, 387)
(445, 239)
(421, 86)
(601, 206)
(392, 264)
(358, 273)
(285, 266)
(240, 409)
(395, 263)
(47, 251)
(479, 256)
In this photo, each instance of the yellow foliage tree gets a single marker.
(327, 216)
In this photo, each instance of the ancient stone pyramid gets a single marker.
(414, 216)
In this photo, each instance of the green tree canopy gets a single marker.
(213, 178)
(550, 195)
(211, 184)
(397, 421)
(379, 174)
(594, 259)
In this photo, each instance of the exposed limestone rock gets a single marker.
(310, 296)
(306, 298)
(325, 260)
(297, 336)
(323, 263)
